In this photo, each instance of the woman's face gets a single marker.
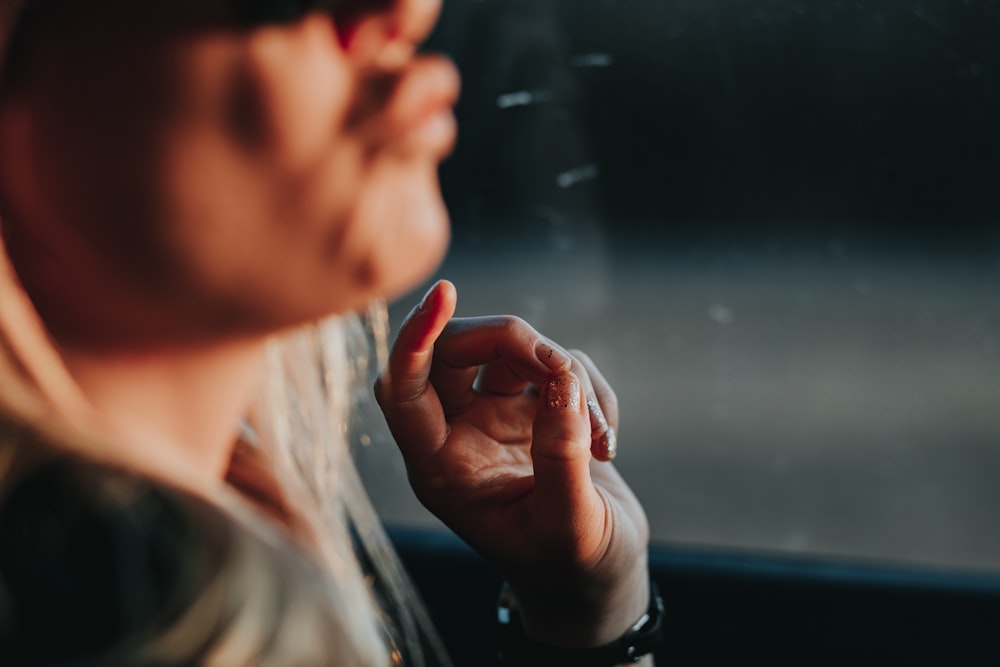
(208, 177)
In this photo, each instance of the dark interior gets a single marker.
(737, 608)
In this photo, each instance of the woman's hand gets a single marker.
(501, 431)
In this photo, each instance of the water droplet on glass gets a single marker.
(721, 314)
(592, 60)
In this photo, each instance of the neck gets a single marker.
(176, 412)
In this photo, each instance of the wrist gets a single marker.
(634, 646)
(576, 615)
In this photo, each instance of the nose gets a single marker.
(386, 33)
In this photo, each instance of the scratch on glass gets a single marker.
(592, 60)
(568, 179)
(522, 98)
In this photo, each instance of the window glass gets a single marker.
(775, 226)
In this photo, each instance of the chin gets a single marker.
(412, 237)
(414, 262)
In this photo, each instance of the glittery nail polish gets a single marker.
(609, 444)
(607, 441)
(600, 422)
(563, 392)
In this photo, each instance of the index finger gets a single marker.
(470, 343)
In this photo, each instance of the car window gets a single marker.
(775, 227)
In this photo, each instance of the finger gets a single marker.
(453, 385)
(603, 437)
(473, 342)
(560, 454)
(384, 33)
(603, 409)
(498, 379)
(598, 422)
(411, 405)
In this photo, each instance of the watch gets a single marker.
(518, 650)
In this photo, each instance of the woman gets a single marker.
(181, 186)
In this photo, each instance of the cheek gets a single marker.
(257, 179)
(245, 236)
(290, 99)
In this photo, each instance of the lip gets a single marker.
(420, 110)
(435, 134)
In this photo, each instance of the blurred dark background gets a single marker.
(775, 226)
(875, 120)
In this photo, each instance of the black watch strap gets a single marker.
(518, 650)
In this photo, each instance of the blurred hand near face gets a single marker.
(503, 433)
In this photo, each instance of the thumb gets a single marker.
(560, 453)
(410, 360)
(410, 404)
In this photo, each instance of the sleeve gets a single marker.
(101, 567)
(91, 561)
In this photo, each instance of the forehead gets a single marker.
(23, 21)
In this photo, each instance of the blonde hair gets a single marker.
(300, 421)
(315, 379)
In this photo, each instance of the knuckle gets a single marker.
(580, 362)
(516, 334)
(563, 447)
(610, 398)
(514, 325)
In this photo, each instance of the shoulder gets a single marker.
(96, 561)
(90, 554)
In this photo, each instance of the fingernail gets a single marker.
(598, 414)
(551, 356)
(609, 444)
(563, 392)
(608, 441)
(427, 297)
